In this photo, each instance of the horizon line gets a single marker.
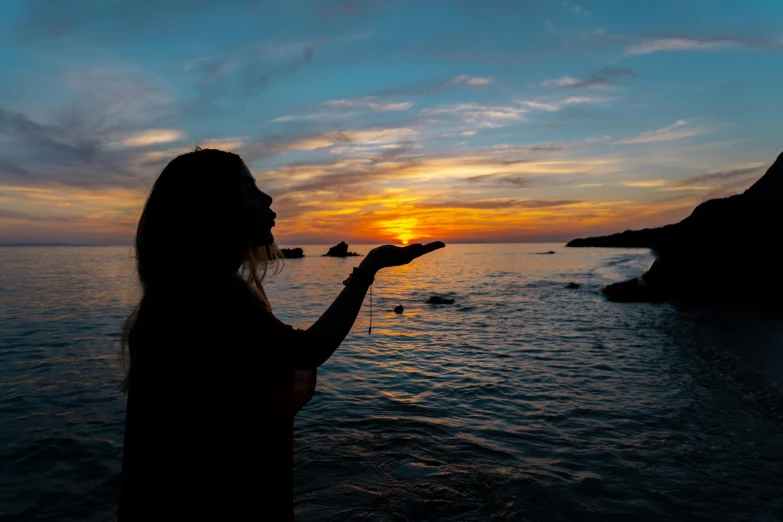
(281, 245)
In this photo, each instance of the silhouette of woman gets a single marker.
(215, 379)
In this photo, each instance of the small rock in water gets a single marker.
(292, 253)
(340, 250)
(435, 299)
(398, 309)
(545, 253)
(572, 286)
(591, 486)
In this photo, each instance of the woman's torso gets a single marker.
(204, 434)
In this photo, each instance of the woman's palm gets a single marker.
(391, 255)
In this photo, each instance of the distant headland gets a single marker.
(727, 250)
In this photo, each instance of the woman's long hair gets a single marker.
(197, 205)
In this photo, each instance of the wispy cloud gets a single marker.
(676, 131)
(253, 66)
(472, 80)
(146, 138)
(228, 144)
(646, 184)
(317, 116)
(703, 182)
(576, 8)
(480, 115)
(368, 137)
(553, 105)
(369, 102)
(723, 175)
(500, 203)
(677, 43)
(683, 189)
(601, 80)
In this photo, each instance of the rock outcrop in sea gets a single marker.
(292, 253)
(340, 250)
(727, 251)
(436, 299)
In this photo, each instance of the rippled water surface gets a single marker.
(522, 401)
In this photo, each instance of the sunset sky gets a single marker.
(376, 121)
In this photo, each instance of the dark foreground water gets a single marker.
(522, 401)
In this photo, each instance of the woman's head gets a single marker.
(204, 220)
(204, 209)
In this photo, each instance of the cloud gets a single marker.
(13, 215)
(646, 184)
(368, 137)
(227, 144)
(317, 116)
(564, 82)
(682, 189)
(400, 166)
(500, 204)
(92, 136)
(388, 100)
(368, 102)
(576, 8)
(147, 137)
(47, 140)
(252, 67)
(472, 80)
(601, 80)
(721, 176)
(554, 105)
(675, 131)
(677, 43)
(479, 115)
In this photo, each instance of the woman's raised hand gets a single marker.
(392, 255)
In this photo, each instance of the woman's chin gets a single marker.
(264, 239)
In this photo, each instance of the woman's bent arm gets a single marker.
(312, 347)
(334, 324)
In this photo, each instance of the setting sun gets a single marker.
(402, 229)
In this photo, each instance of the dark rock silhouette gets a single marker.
(591, 486)
(398, 309)
(292, 253)
(435, 299)
(631, 291)
(572, 286)
(340, 250)
(544, 253)
(646, 238)
(725, 251)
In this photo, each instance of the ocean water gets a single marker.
(524, 400)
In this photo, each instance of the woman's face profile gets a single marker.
(261, 216)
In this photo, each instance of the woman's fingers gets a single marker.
(418, 249)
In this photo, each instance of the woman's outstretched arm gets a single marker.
(312, 347)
